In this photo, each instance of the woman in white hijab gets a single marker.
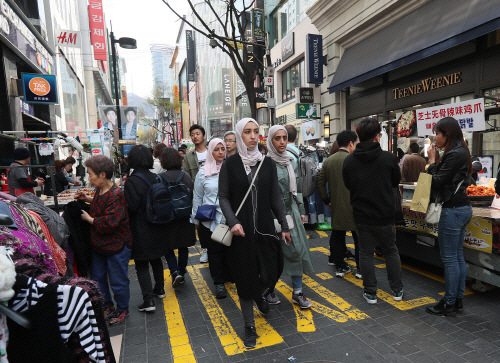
(255, 257)
(297, 255)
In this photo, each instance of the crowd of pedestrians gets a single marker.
(256, 193)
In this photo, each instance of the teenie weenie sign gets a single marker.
(469, 114)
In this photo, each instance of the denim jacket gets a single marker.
(205, 193)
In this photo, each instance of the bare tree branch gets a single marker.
(217, 17)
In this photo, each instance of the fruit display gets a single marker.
(478, 191)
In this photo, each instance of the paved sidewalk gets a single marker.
(190, 325)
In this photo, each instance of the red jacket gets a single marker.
(111, 228)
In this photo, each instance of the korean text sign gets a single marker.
(97, 31)
(39, 88)
(469, 114)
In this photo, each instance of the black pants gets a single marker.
(142, 269)
(338, 247)
(216, 262)
(180, 264)
(385, 238)
(204, 235)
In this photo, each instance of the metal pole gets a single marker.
(117, 100)
(51, 170)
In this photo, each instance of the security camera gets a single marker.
(213, 43)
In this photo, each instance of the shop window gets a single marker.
(286, 17)
(292, 77)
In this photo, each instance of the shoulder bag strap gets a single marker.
(251, 185)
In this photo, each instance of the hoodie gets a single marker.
(370, 174)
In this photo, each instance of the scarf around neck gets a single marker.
(284, 159)
(249, 156)
(212, 166)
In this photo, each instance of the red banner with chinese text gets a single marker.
(97, 30)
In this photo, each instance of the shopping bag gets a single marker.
(399, 219)
(496, 202)
(422, 195)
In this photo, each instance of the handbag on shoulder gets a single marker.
(434, 211)
(222, 233)
(207, 212)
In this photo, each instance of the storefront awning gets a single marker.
(434, 27)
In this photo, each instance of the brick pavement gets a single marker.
(341, 328)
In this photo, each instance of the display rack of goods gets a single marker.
(480, 191)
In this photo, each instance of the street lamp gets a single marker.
(126, 43)
(327, 126)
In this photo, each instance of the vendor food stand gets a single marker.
(418, 239)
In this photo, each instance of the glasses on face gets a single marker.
(229, 141)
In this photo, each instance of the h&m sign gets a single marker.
(427, 84)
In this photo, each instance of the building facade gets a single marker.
(161, 57)
(378, 50)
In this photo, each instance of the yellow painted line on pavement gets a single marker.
(229, 339)
(305, 322)
(401, 305)
(267, 335)
(335, 300)
(131, 262)
(324, 276)
(179, 339)
(382, 265)
(349, 234)
(321, 233)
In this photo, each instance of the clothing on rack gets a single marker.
(26, 242)
(57, 252)
(79, 238)
(28, 268)
(55, 223)
(45, 149)
(74, 314)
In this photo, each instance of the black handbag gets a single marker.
(207, 212)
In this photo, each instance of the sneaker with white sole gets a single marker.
(147, 306)
(271, 297)
(330, 261)
(370, 299)
(341, 271)
(397, 296)
(204, 256)
(358, 274)
(301, 300)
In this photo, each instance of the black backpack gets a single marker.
(167, 200)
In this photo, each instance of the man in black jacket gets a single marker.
(370, 174)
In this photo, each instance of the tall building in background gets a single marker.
(161, 56)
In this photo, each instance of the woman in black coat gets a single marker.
(149, 240)
(255, 257)
(181, 234)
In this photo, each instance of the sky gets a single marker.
(149, 22)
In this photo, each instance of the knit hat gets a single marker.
(21, 153)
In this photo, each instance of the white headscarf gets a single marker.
(284, 159)
(249, 156)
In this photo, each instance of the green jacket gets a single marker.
(191, 165)
(337, 194)
(297, 257)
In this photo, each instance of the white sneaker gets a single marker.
(204, 256)
(358, 274)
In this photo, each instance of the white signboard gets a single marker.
(68, 38)
(487, 164)
(310, 130)
(268, 81)
(469, 114)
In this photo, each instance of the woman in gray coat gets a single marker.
(296, 254)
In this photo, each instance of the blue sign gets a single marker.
(314, 58)
(39, 88)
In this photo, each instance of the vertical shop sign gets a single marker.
(288, 47)
(191, 56)
(97, 33)
(258, 24)
(176, 99)
(314, 55)
(124, 96)
(227, 86)
(179, 130)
